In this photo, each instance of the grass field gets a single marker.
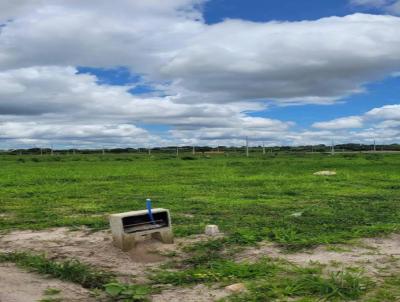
(250, 198)
(274, 197)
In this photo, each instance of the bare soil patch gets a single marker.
(198, 293)
(20, 286)
(94, 248)
(377, 256)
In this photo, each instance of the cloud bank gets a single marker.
(206, 80)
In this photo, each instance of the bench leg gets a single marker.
(128, 242)
(165, 236)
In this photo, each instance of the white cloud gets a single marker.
(289, 62)
(210, 76)
(387, 112)
(389, 6)
(309, 61)
(62, 105)
(12, 9)
(373, 3)
(383, 117)
(381, 124)
(140, 34)
(389, 124)
(38, 130)
(394, 8)
(340, 123)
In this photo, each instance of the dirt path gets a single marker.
(17, 285)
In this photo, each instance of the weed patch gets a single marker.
(71, 270)
(341, 286)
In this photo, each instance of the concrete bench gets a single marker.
(129, 227)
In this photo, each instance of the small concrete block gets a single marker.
(236, 288)
(325, 173)
(211, 230)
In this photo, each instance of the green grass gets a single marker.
(341, 286)
(388, 291)
(128, 293)
(77, 272)
(249, 198)
(266, 279)
(70, 270)
(52, 291)
(272, 280)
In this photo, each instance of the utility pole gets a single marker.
(247, 146)
(263, 148)
(333, 148)
(374, 146)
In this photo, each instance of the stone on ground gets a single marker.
(236, 288)
(211, 230)
(325, 173)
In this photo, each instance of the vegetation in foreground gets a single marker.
(274, 197)
(71, 270)
(266, 280)
(80, 273)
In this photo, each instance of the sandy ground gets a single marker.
(377, 256)
(96, 248)
(198, 293)
(19, 286)
(93, 248)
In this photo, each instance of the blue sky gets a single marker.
(268, 10)
(197, 72)
(384, 92)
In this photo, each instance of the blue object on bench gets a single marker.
(149, 212)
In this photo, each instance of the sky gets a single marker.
(148, 73)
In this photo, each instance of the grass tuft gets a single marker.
(70, 270)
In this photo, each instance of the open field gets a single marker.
(271, 209)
